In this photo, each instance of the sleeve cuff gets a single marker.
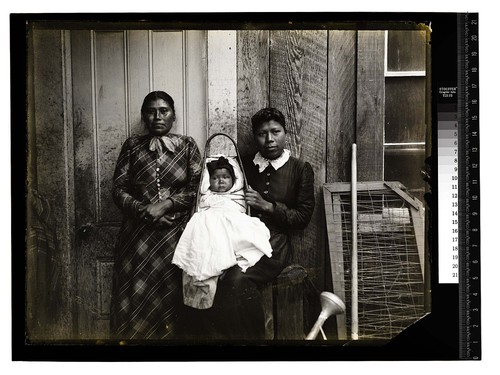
(134, 208)
(279, 208)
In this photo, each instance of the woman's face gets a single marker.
(270, 139)
(221, 180)
(159, 117)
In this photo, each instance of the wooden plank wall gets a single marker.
(370, 105)
(168, 70)
(54, 169)
(330, 87)
(312, 77)
(341, 132)
(253, 83)
(85, 92)
(111, 116)
(195, 109)
(222, 95)
(288, 70)
(112, 72)
(315, 78)
(298, 84)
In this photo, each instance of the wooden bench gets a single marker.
(284, 305)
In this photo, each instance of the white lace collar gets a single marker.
(277, 163)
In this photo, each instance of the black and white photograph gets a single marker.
(246, 181)
(130, 132)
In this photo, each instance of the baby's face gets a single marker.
(221, 180)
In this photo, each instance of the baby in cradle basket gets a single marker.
(219, 235)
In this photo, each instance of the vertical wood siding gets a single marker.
(311, 77)
(222, 83)
(168, 71)
(329, 85)
(253, 83)
(138, 72)
(195, 106)
(88, 88)
(406, 50)
(54, 166)
(83, 128)
(298, 87)
(341, 132)
(370, 105)
(111, 115)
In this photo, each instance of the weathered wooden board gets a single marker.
(370, 105)
(83, 128)
(406, 50)
(111, 116)
(253, 83)
(195, 107)
(405, 121)
(50, 143)
(138, 85)
(222, 89)
(341, 130)
(298, 87)
(167, 70)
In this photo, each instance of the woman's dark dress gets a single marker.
(146, 286)
(237, 312)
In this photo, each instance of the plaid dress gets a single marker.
(146, 285)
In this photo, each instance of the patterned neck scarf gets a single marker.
(158, 143)
(277, 163)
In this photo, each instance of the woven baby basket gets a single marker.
(206, 155)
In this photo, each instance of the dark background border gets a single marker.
(435, 337)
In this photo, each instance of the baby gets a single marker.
(220, 235)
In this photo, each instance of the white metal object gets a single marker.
(330, 305)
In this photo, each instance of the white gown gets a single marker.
(220, 234)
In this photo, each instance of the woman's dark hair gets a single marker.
(155, 95)
(265, 115)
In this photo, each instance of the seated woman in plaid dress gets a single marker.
(154, 185)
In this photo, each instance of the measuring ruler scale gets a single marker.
(469, 239)
(458, 186)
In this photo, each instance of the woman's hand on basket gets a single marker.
(255, 200)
